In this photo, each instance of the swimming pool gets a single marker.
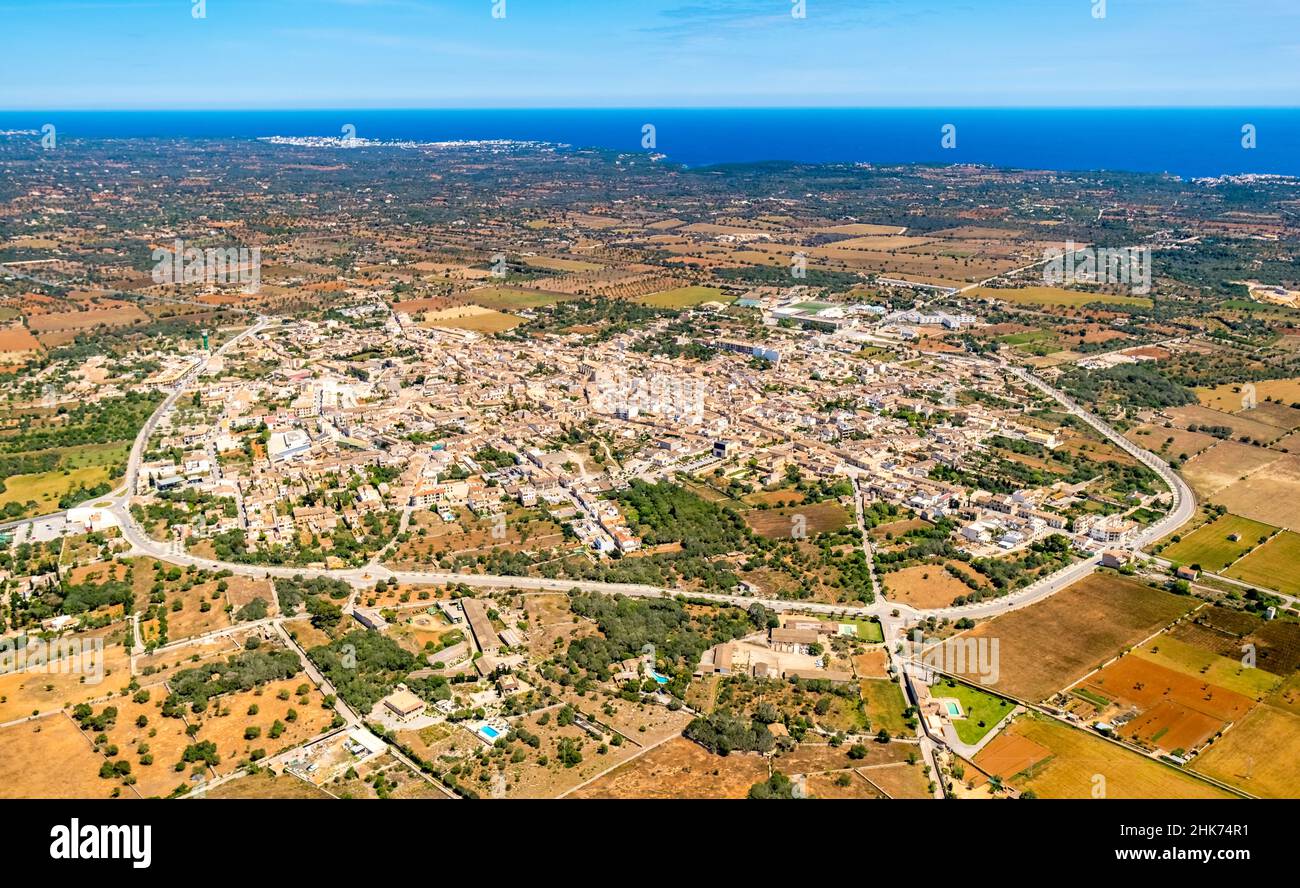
(661, 679)
(489, 732)
(953, 709)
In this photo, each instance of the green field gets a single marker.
(868, 630)
(1027, 337)
(1210, 547)
(46, 488)
(685, 297)
(983, 710)
(885, 705)
(81, 466)
(1272, 565)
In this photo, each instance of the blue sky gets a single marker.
(99, 54)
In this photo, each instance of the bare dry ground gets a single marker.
(1271, 494)
(162, 739)
(813, 758)
(901, 781)
(841, 785)
(924, 586)
(679, 769)
(265, 785)
(1178, 711)
(1170, 443)
(24, 693)
(812, 519)
(229, 716)
(50, 758)
(1225, 464)
(1240, 423)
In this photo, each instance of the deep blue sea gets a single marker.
(1186, 142)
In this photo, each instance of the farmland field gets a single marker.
(901, 781)
(1010, 753)
(1051, 644)
(781, 523)
(923, 585)
(554, 263)
(512, 298)
(1274, 565)
(1228, 396)
(1076, 759)
(1222, 465)
(812, 757)
(1198, 662)
(471, 317)
(302, 716)
(1056, 296)
(1240, 424)
(1170, 443)
(825, 786)
(265, 785)
(885, 704)
(1210, 546)
(1277, 645)
(1271, 494)
(1178, 711)
(17, 339)
(1258, 755)
(51, 758)
(679, 769)
(685, 297)
(46, 488)
(23, 693)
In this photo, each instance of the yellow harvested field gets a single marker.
(164, 739)
(1209, 667)
(24, 693)
(1171, 443)
(264, 785)
(685, 297)
(1056, 296)
(560, 264)
(1242, 425)
(827, 786)
(107, 313)
(1082, 766)
(475, 318)
(900, 781)
(1258, 755)
(227, 719)
(1228, 396)
(862, 228)
(46, 488)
